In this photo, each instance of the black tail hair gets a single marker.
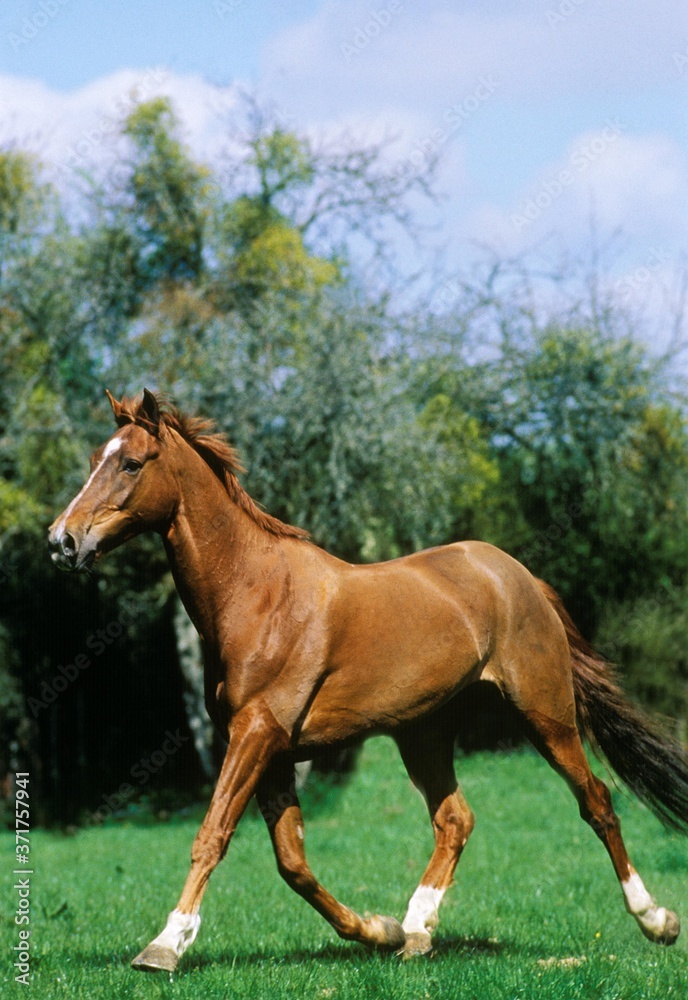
(653, 765)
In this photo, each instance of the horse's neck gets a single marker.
(216, 552)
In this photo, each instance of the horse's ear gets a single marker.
(148, 413)
(120, 418)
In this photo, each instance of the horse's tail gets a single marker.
(651, 764)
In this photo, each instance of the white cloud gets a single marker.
(632, 183)
(432, 53)
(548, 65)
(79, 128)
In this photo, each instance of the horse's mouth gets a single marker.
(73, 560)
(88, 560)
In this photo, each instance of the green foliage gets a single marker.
(167, 190)
(50, 452)
(591, 448)
(20, 197)
(328, 442)
(276, 259)
(285, 163)
(18, 509)
(647, 636)
(464, 464)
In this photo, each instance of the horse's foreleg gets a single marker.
(254, 737)
(428, 757)
(279, 804)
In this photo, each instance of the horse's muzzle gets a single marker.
(66, 553)
(63, 550)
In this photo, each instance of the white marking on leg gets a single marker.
(110, 448)
(422, 915)
(640, 903)
(180, 931)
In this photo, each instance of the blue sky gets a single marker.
(88, 39)
(545, 111)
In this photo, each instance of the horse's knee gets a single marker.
(209, 848)
(453, 823)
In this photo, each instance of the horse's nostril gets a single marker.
(67, 545)
(63, 549)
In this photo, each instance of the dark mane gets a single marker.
(220, 456)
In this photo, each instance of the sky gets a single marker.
(552, 117)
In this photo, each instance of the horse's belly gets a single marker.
(381, 693)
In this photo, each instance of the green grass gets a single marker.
(535, 912)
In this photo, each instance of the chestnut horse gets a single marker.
(303, 651)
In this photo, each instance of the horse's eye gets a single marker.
(132, 466)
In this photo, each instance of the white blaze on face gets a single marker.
(110, 448)
(180, 931)
(422, 914)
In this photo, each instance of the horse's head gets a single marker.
(125, 493)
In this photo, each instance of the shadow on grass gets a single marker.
(356, 954)
(448, 947)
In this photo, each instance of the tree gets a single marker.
(581, 417)
(165, 190)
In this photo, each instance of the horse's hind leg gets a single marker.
(428, 755)
(561, 746)
(280, 807)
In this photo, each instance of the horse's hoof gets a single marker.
(664, 934)
(417, 943)
(156, 958)
(386, 932)
(672, 929)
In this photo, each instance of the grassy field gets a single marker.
(535, 912)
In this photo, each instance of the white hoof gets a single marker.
(661, 926)
(164, 952)
(421, 919)
(154, 958)
(417, 943)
